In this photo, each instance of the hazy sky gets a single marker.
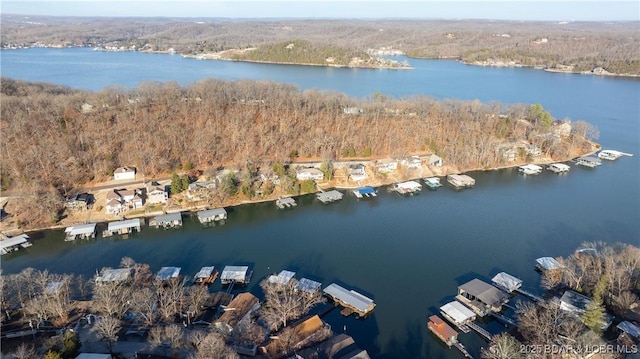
(578, 10)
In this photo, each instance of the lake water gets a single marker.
(408, 253)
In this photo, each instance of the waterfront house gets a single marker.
(386, 165)
(80, 201)
(200, 190)
(240, 309)
(481, 297)
(157, 195)
(510, 155)
(123, 199)
(434, 160)
(576, 304)
(235, 274)
(309, 173)
(86, 108)
(80, 231)
(124, 173)
(113, 206)
(413, 162)
(357, 172)
(353, 301)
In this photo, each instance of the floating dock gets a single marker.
(432, 182)
(461, 181)
(235, 274)
(122, 227)
(206, 275)
(8, 245)
(365, 192)
(169, 220)
(442, 330)
(590, 162)
(81, 231)
(351, 300)
(612, 155)
(559, 167)
(329, 196)
(530, 169)
(212, 215)
(286, 202)
(409, 187)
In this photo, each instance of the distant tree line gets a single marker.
(582, 45)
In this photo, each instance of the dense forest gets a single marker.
(56, 138)
(573, 46)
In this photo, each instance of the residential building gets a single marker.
(309, 174)
(124, 173)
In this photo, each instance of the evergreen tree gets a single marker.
(593, 316)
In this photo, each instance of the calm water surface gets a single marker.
(408, 253)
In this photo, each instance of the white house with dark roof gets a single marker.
(124, 173)
(157, 194)
(309, 174)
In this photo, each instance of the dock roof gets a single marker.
(548, 263)
(169, 217)
(129, 223)
(205, 272)
(366, 190)
(506, 281)
(14, 241)
(282, 278)
(409, 185)
(442, 329)
(308, 285)
(81, 229)
(237, 273)
(329, 196)
(457, 312)
(629, 328)
(168, 272)
(211, 213)
(350, 297)
(485, 292)
(114, 275)
(287, 200)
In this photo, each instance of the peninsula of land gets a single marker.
(217, 143)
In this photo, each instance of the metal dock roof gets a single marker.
(458, 312)
(81, 229)
(169, 218)
(205, 272)
(308, 285)
(203, 215)
(168, 272)
(350, 297)
(329, 196)
(548, 263)
(282, 278)
(129, 223)
(114, 275)
(14, 241)
(237, 273)
(506, 281)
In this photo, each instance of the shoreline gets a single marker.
(321, 186)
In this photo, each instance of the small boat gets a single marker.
(432, 182)
(530, 169)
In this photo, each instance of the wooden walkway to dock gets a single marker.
(504, 319)
(478, 329)
(530, 295)
(462, 349)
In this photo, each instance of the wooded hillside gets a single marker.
(56, 138)
(583, 45)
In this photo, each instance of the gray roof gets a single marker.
(353, 298)
(81, 229)
(129, 223)
(548, 263)
(308, 285)
(211, 213)
(169, 217)
(282, 278)
(506, 281)
(205, 272)
(329, 195)
(13, 241)
(114, 275)
(629, 328)
(572, 301)
(234, 273)
(485, 292)
(168, 272)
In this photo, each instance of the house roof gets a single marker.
(124, 170)
(113, 195)
(238, 308)
(485, 292)
(434, 158)
(571, 300)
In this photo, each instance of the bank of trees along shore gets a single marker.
(161, 308)
(607, 273)
(51, 145)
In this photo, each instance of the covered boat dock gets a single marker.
(308, 285)
(283, 278)
(329, 196)
(442, 330)
(166, 273)
(81, 231)
(544, 264)
(110, 275)
(365, 192)
(461, 181)
(481, 297)
(408, 187)
(559, 168)
(432, 182)
(122, 227)
(8, 245)
(206, 275)
(212, 215)
(506, 282)
(286, 202)
(590, 162)
(235, 274)
(458, 315)
(353, 301)
(169, 220)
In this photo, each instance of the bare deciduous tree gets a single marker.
(213, 346)
(503, 346)
(285, 302)
(107, 329)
